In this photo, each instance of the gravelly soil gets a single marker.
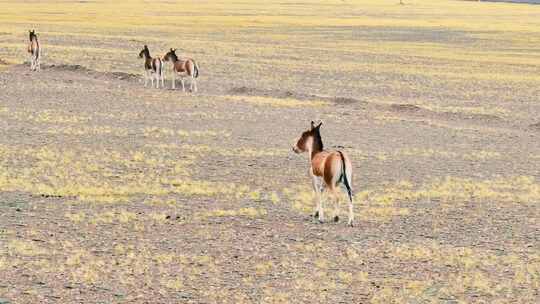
(279, 255)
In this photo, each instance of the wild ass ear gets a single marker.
(315, 126)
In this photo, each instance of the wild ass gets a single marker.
(332, 167)
(34, 48)
(153, 68)
(183, 68)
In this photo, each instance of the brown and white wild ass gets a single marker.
(183, 68)
(34, 48)
(153, 68)
(331, 167)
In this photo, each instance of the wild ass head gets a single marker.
(32, 34)
(144, 53)
(310, 140)
(171, 55)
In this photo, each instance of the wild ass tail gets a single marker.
(159, 68)
(196, 72)
(345, 177)
(38, 49)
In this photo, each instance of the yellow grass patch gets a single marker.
(382, 203)
(157, 132)
(90, 175)
(277, 102)
(245, 212)
(25, 248)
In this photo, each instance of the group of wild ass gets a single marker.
(153, 69)
(327, 169)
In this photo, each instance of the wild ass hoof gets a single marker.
(351, 224)
(336, 219)
(316, 215)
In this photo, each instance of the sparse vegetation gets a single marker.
(113, 193)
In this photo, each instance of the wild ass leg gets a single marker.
(336, 201)
(319, 213)
(351, 212)
(173, 86)
(145, 78)
(182, 82)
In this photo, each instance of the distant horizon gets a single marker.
(511, 1)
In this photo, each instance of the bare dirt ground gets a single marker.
(267, 250)
(115, 193)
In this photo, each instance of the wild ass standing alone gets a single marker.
(153, 68)
(184, 68)
(34, 49)
(333, 167)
